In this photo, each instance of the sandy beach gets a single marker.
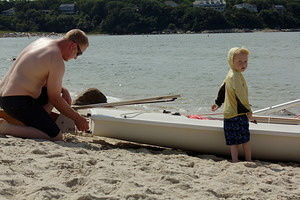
(86, 167)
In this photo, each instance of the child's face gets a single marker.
(240, 62)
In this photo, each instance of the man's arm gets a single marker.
(56, 95)
(66, 95)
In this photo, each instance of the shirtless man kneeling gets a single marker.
(33, 86)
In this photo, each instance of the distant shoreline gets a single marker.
(34, 34)
(27, 34)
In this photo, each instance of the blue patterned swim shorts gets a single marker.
(236, 130)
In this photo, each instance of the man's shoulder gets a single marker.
(45, 51)
(49, 46)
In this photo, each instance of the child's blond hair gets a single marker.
(234, 51)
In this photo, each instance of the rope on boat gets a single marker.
(125, 115)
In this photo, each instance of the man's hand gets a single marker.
(81, 123)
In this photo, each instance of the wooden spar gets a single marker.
(9, 119)
(276, 120)
(278, 107)
(130, 102)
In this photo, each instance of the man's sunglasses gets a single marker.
(79, 52)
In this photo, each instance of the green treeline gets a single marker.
(145, 16)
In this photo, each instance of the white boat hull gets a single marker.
(276, 142)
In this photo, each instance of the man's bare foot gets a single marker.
(3, 126)
(59, 137)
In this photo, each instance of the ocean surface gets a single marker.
(193, 65)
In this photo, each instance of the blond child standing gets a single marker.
(237, 112)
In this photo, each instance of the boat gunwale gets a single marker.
(261, 130)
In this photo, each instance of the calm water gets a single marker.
(132, 67)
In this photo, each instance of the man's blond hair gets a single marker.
(78, 36)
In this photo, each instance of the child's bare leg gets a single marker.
(24, 131)
(247, 151)
(234, 150)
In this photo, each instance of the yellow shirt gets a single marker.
(235, 89)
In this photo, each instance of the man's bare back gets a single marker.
(40, 67)
(30, 71)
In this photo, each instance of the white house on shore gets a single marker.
(171, 3)
(9, 12)
(247, 6)
(279, 8)
(67, 9)
(219, 5)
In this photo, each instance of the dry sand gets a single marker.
(91, 167)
